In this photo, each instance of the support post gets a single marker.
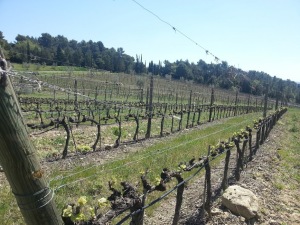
(148, 133)
(266, 102)
(212, 99)
(20, 162)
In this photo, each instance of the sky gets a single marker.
(261, 35)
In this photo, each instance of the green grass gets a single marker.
(163, 154)
(91, 180)
(290, 150)
(44, 68)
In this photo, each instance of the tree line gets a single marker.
(59, 51)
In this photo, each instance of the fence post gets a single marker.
(262, 132)
(148, 133)
(250, 144)
(266, 101)
(162, 122)
(136, 118)
(75, 94)
(207, 185)
(236, 102)
(245, 141)
(239, 158)
(179, 198)
(277, 100)
(20, 162)
(189, 110)
(257, 139)
(199, 115)
(212, 99)
(225, 178)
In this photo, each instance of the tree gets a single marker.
(182, 70)
(45, 40)
(298, 97)
(167, 69)
(139, 65)
(60, 56)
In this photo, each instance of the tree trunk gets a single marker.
(20, 163)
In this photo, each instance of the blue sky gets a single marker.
(262, 35)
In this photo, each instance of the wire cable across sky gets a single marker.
(176, 30)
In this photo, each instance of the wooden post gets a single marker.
(236, 102)
(225, 177)
(277, 100)
(257, 139)
(189, 110)
(20, 163)
(162, 122)
(211, 104)
(179, 199)
(75, 94)
(207, 204)
(239, 159)
(148, 133)
(266, 102)
(250, 144)
(199, 114)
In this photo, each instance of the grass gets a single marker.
(163, 154)
(53, 142)
(43, 68)
(290, 150)
(91, 180)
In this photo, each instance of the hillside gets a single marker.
(59, 51)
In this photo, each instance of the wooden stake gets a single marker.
(20, 163)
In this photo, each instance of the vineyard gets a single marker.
(120, 112)
(74, 115)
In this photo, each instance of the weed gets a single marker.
(279, 185)
(294, 129)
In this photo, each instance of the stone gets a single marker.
(216, 211)
(108, 147)
(274, 222)
(241, 201)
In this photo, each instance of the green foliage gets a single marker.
(115, 131)
(81, 211)
(83, 148)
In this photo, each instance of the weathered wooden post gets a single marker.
(179, 198)
(189, 110)
(212, 100)
(148, 132)
(20, 162)
(236, 102)
(207, 193)
(75, 94)
(224, 184)
(266, 102)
